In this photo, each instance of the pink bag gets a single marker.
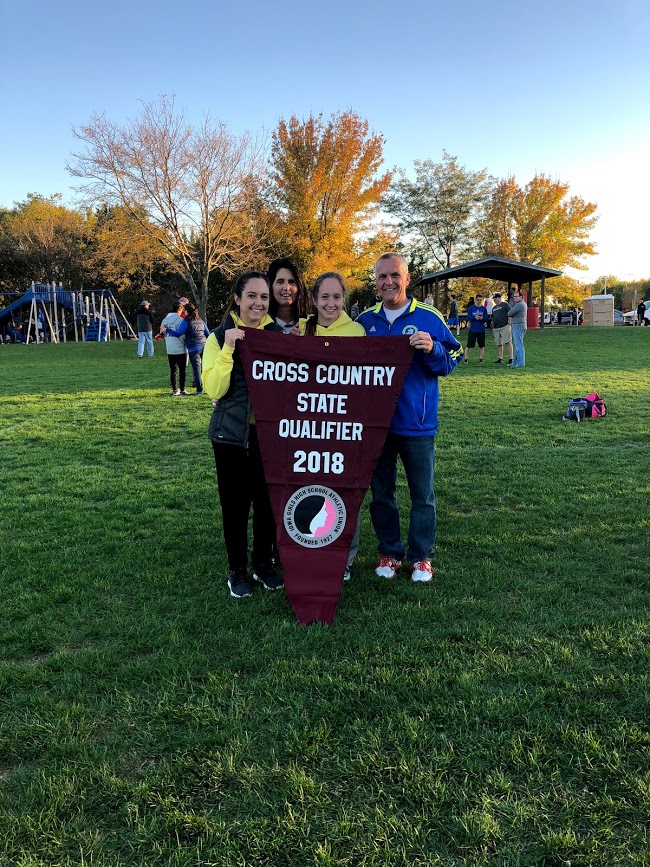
(595, 405)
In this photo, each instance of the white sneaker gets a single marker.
(387, 567)
(422, 572)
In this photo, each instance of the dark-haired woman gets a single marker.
(196, 332)
(289, 298)
(240, 474)
(329, 319)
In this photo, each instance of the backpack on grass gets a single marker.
(590, 406)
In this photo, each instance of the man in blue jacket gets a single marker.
(477, 317)
(415, 421)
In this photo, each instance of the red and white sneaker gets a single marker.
(422, 572)
(387, 567)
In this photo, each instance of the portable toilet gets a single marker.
(598, 310)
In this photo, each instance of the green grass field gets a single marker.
(499, 716)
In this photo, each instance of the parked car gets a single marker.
(568, 317)
(630, 316)
(548, 318)
(619, 318)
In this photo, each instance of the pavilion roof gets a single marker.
(494, 268)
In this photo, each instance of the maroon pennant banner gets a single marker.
(322, 407)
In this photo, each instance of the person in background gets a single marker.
(640, 313)
(414, 423)
(517, 316)
(145, 329)
(329, 319)
(232, 430)
(289, 297)
(195, 332)
(477, 317)
(501, 327)
(453, 320)
(176, 351)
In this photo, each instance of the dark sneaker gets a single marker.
(510, 363)
(269, 578)
(239, 584)
(499, 361)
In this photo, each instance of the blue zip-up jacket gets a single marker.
(416, 413)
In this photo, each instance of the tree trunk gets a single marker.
(202, 299)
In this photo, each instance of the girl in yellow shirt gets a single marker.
(329, 319)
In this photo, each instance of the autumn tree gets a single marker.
(52, 239)
(565, 291)
(437, 213)
(327, 190)
(15, 270)
(187, 188)
(123, 254)
(540, 224)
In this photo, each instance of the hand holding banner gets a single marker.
(322, 408)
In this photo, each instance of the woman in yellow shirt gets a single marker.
(240, 474)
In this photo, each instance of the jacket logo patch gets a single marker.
(410, 329)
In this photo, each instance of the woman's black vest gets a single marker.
(230, 419)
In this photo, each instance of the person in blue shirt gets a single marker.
(477, 317)
(415, 420)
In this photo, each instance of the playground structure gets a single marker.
(51, 314)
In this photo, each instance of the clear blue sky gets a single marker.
(561, 88)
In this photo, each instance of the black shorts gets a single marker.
(475, 337)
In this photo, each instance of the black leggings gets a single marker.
(241, 481)
(177, 362)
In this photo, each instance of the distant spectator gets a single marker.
(176, 351)
(517, 315)
(640, 313)
(195, 332)
(477, 317)
(145, 329)
(453, 320)
(501, 327)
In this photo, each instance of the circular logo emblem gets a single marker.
(314, 516)
(410, 329)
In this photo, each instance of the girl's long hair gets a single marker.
(312, 320)
(191, 311)
(300, 307)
